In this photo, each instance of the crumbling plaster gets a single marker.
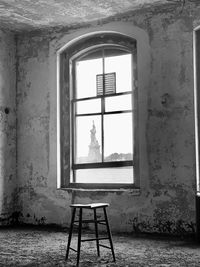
(29, 15)
(166, 202)
(8, 182)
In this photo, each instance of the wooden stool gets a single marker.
(104, 221)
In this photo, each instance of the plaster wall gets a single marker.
(165, 202)
(8, 183)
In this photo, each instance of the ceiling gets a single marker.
(19, 15)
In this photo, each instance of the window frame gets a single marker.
(68, 64)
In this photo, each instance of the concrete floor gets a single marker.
(46, 247)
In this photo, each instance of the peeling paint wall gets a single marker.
(8, 182)
(166, 202)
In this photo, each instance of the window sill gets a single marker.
(132, 191)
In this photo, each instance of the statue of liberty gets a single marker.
(94, 147)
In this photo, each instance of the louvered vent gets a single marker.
(110, 83)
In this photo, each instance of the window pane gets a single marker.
(118, 137)
(114, 103)
(121, 65)
(88, 139)
(88, 106)
(86, 73)
(122, 175)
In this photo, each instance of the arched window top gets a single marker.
(102, 70)
(99, 40)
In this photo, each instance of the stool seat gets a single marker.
(80, 221)
(90, 206)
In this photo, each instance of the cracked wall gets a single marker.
(166, 202)
(8, 182)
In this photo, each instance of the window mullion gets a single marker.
(103, 107)
(73, 110)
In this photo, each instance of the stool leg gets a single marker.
(79, 237)
(70, 232)
(109, 233)
(96, 232)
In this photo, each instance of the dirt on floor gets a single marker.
(47, 247)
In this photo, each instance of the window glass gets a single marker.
(88, 139)
(88, 106)
(106, 175)
(121, 102)
(118, 138)
(122, 66)
(103, 83)
(86, 73)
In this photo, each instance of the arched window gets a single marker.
(98, 83)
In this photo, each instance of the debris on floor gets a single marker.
(47, 247)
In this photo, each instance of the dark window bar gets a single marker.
(105, 113)
(102, 164)
(101, 96)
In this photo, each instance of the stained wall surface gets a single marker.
(8, 182)
(166, 200)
